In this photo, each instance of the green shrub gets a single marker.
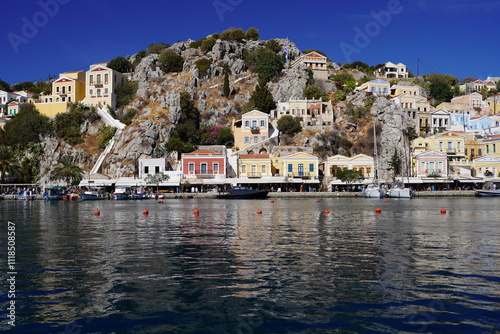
(203, 65)
(106, 133)
(172, 62)
(125, 93)
(157, 47)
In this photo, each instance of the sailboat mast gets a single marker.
(375, 151)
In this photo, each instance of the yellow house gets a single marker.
(399, 89)
(101, 83)
(486, 167)
(494, 103)
(360, 162)
(376, 87)
(68, 88)
(300, 165)
(13, 108)
(492, 146)
(254, 165)
(450, 143)
(316, 62)
(252, 128)
(474, 149)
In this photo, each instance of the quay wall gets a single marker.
(447, 193)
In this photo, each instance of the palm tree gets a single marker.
(8, 165)
(67, 168)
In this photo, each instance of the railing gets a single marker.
(255, 129)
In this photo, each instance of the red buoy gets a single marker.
(145, 212)
(272, 201)
(259, 212)
(378, 210)
(196, 212)
(326, 211)
(443, 210)
(317, 200)
(160, 202)
(97, 213)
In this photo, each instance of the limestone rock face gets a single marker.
(132, 144)
(391, 138)
(292, 85)
(149, 67)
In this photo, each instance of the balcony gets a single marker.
(300, 175)
(205, 176)
(255, 129)
(97, 83)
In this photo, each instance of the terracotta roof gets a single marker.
(202, 151)
(315, 106)
(254, 156)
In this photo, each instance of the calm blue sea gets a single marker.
(291, 269)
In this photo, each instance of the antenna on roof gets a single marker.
(418, 67)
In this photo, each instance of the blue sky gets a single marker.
(458, 37)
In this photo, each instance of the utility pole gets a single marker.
(418, 67)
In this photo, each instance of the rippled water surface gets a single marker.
(291, 269)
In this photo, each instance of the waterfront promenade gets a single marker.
(446, 193)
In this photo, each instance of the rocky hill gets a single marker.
(158, 106)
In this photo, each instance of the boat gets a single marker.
(26, 196)
(55, 193)
(374, 190)
(121, 193)
(91, 195)
(239, 192)
(138, 196)
(398, 190)
(488, 193)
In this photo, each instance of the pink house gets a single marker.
(431, 162)
(203, 163)
(473, 100)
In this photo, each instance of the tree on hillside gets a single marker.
(8, 164)
(252, 34)
(261, 99)
(157, 47)
(4, 86)
(273, 45)
(226, 90)
(67, 169)
(233, 34)
(315, 92)
(289, 125)
(27, 127)
(449, 79)
(120, 64)
(172, 62)
(440, 91)
(268, 65)
(313, 50)
(125, 93)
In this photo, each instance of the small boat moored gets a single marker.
(239, 192)
(121, 193)
(488, 193)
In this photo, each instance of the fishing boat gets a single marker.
(26, 196)
(121, 193)
(91, 195)
(55, 193)
(488, 193)
(239, 192)
(398, 190)
(139, 194)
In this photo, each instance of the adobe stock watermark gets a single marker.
(31, 26)
(372, 29)
(222, 6)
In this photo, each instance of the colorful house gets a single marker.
(314, 113)
(376, 87)
(68, 88)
(480, 123)
(253, 127)
(7, 97)
(254, 166)
(101, 83)
(300, 165)
(12, 108)
(439, 121)
(450, 143)
(408, 89)
(203, 164)
(316, 62)
(492, 146)
(431, 163)
(360, 162)
(486, 167)
(392, 70)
